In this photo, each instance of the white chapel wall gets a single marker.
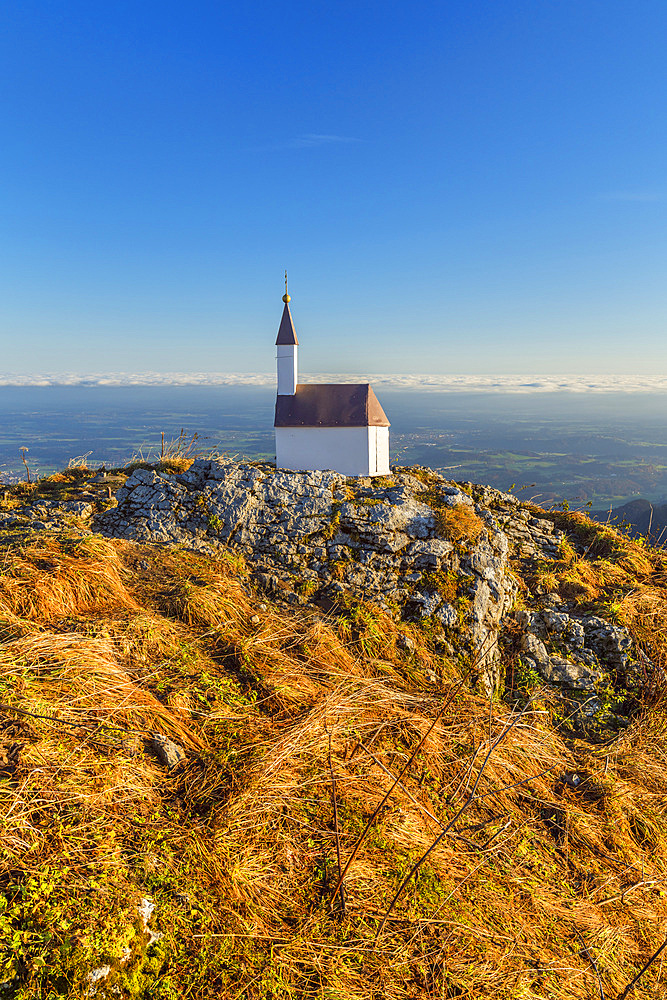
(344, 449)
(378, 449)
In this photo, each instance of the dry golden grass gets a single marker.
(459, 523)
(237, 845)
(606, 565)
(55, 579)
(644, 612)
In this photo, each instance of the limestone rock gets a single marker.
(588, 639)
(535, 648)
(447, 615)
(375, 540)
(568, 674)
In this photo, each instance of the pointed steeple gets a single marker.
(286, 332)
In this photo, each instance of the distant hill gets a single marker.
(642, 518)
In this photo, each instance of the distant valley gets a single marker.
(594, 448)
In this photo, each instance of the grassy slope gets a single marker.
(536, 887)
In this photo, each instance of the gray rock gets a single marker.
(455, 497)
(559, 623)
(447, 615)
(568, 674)
(414, 519)
(428, 602)
(610, 643)
(428, 553)
(168, 753)
(556, 621)
(338, 552)
(524, 618)
(534, 647)
(406, 643)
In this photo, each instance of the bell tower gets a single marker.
(287, 347)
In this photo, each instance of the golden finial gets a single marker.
(286, 298)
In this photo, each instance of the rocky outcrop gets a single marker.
(589, 646)
(45, 515)
(319, 536)
(422, 547)
(586, 661)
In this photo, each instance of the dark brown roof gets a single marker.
(286, 333)
(330, 406)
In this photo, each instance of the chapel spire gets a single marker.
(287, 349)
(286, 331)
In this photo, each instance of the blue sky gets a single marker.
(455, 187)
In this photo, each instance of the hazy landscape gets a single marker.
(598, 447)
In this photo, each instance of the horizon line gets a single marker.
(424, 382)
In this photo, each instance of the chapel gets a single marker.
(338, 427)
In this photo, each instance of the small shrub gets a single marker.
(306, 588)
(215, 524)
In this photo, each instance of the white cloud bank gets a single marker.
(424, 383)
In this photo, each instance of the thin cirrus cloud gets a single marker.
(311, 140)
(319, 139)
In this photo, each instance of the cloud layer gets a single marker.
(423, 383)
